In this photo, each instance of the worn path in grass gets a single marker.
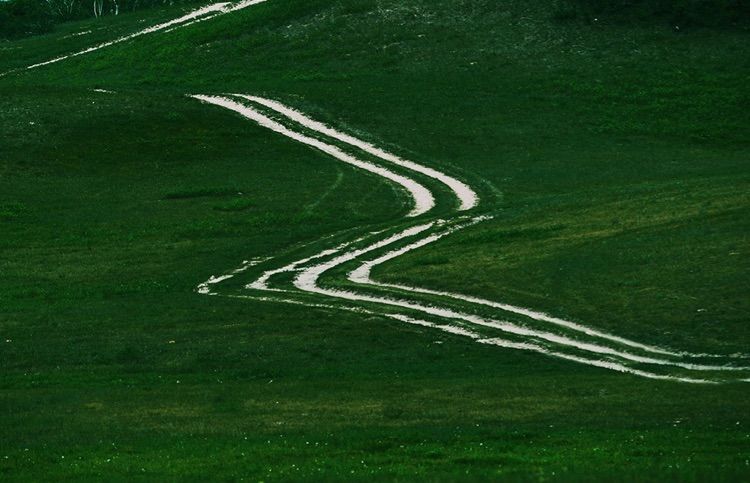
(329, 274)
(342, 272)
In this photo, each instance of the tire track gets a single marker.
(571, 341)
(421, 197)
(455, 314)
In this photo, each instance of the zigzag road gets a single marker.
(339, 276)
(322, 279)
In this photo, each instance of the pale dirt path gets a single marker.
(423, 201)
(466, 196)
(421, 197)
(308, 274)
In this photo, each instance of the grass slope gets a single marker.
(616, 156)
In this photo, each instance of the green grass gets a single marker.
(11, 211)
(615, 157)
(188, 193)
(237, 204)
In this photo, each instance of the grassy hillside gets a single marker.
(615, 157)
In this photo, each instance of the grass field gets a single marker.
(613, 158)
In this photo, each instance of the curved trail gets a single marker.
(467, 197)
(421, 196)
(339, 277)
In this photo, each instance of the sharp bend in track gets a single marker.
(421, 196)
(466, 196)
(318, 281)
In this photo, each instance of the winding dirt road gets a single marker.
(337, 274)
